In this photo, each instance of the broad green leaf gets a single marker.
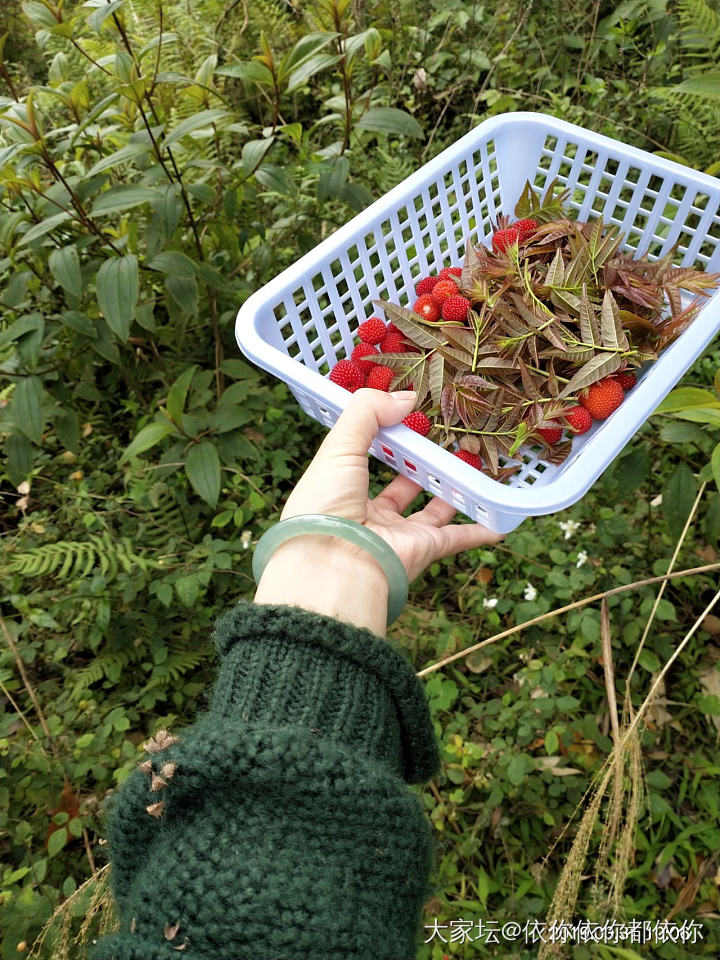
(304, 49)
(187, 589)
(173, 262)
(356, 196)
(91, 116)
(229, 418)
(204, 73)
(253, 153)
(516, 770)
(64, 264)
(390, 120)
(117, 292)
(631, 472)
(58, 839)
(275, 179)
(27, 401)
(309, 68)
(202, 119)
(104, 10)
(184, 292)
(685, 397)
(708, 415)
(67, 429)
(715, 464)
(178, 393)
(680, 432)
(19, 329)
(129, 152)
(148, 437)
(678, 497)
(45, 226)
(248, 70)
(368, 41)
(331, 183)
(202, 466)
(711, 525)
(79, 322)
(19, 452)
(120, 199)
(39, 14)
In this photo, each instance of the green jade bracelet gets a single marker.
(314, 523)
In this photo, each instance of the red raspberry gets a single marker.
(380, 378)
(418, 422)
(602, 398)
(456, 308)
(393, 343)
(425, 285)
(361, 351)
(372, 331)
(348, 374)
(578, 419)
(502, 239)
(550, 435)
(427, 307)
(472, 458)
(525, 229)
(450, 272)
(626, 379)
(443, 290)
(394, 328)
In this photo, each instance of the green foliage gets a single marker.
(692, 103)
(148, 185)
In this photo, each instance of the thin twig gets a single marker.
(22, 716)
(632, 727)
(661, 591)
(570, 606)
(26, 682)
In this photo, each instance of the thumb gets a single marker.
(367, 411)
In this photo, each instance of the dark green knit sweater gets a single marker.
(286, 830)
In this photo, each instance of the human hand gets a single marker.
(332, 576)
(336, 483)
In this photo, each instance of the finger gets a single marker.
(457, 537)
(436, 513)
(398, 494)
(357, 425)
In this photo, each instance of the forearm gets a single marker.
(329, 576)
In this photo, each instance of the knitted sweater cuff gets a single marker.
(282, 665)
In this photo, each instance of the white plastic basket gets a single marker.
(305, 320)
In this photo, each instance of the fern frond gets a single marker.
(391, 169)
(73, 559)
(699, 31)
(107, 666)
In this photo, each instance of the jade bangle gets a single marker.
(356, 533)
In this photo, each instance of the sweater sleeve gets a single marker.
(279, 826)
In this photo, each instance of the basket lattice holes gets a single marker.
(318, 322)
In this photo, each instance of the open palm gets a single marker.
(336, 483)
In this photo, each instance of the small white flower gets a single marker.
(582, 558)
(569, 527)
(245, 538)
(490, 602)
(530, 592)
